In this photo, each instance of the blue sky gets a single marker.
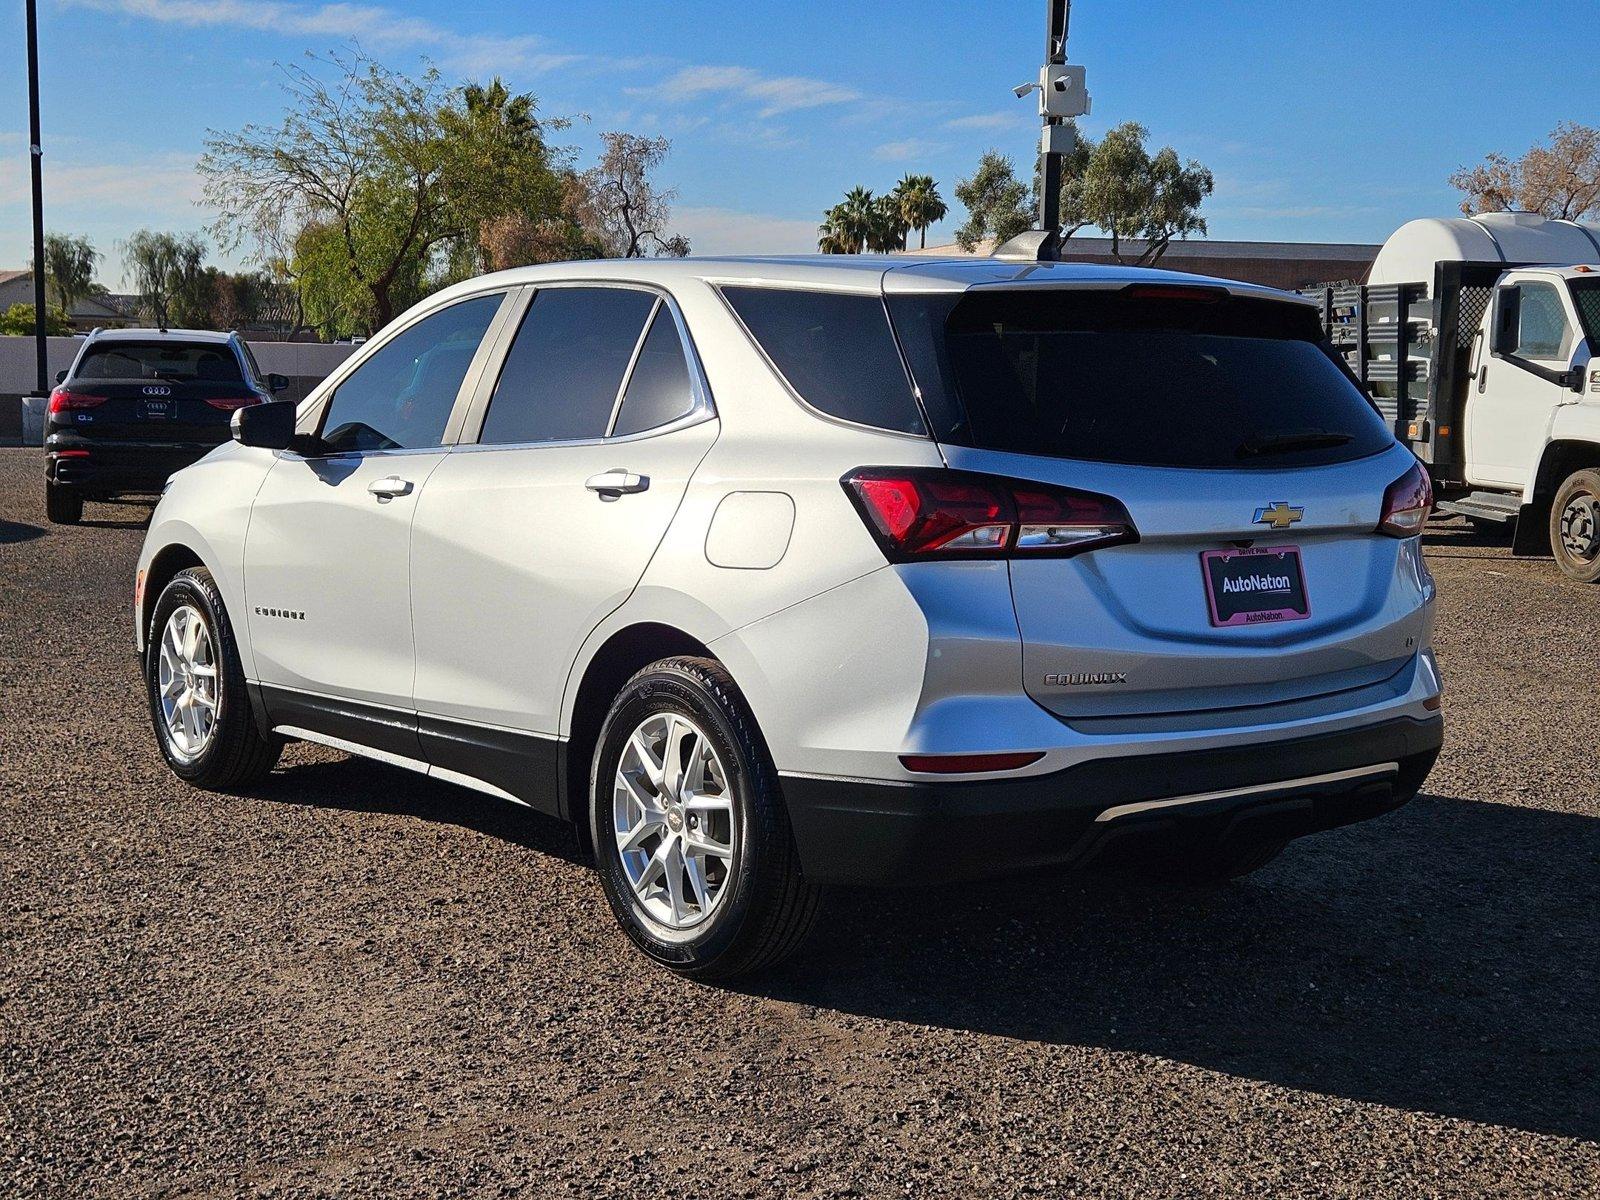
(1322, 123)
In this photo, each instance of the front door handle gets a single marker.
(616, 482)
(389, 487)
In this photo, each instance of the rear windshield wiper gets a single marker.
(1287, 443)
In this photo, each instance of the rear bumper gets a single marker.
(875, 832)
(112, 467)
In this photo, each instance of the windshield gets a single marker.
(1155, 375)
(1586, 299)
(160, 360)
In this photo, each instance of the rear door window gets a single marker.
(835, 350)
(565, 368)
(402, 396)
(659, 391)
(1170, 377)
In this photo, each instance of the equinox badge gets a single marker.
(1279, 514)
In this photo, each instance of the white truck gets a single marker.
(1479, 340)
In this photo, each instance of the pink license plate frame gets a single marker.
(1287, 557)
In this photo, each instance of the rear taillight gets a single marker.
(918, 514)
(1407, 503)
(232, 403)
(64, 400)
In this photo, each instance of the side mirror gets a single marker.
(278, 383)
(61, 376)
(1507, 322)
(270, 426)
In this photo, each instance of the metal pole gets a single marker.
(41, 346)
(1055, 52)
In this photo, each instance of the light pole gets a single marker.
(35, 153)
(1063, 97)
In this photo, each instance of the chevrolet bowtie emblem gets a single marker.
(1280, 515)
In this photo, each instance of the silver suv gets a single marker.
(773, 574)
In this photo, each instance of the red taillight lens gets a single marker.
(63, 399)
(1407, 503)
(926, 513)
(230, 403)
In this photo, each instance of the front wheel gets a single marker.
(1575, 526)
(196, 689)
(691, 837)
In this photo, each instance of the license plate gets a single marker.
(157, 410)
(1255, 587)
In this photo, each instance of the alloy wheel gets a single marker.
(674, 820)
(186, 682)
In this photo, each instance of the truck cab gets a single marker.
(1479, 341)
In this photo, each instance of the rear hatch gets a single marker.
(1251, 466)
(154, 391)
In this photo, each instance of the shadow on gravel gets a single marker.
(16, 531)
(359, 785)
(1445, 959)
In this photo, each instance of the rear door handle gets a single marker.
(389, 487)
(616, 482)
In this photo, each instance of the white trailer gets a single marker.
(1479, 340)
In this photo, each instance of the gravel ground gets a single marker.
(363, 982)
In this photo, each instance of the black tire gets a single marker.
(237, 755)
(768, 906)
(62, 505)
(1573, 518)
(1214, 865)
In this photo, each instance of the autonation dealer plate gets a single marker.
(1253, 587)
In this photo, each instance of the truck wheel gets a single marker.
(690, 833)
(62, 505)
(1575, 526)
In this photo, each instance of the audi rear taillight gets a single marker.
(917, 514)
(65, 400)
(232, 403)
(1407, 503)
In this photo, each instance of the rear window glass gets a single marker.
(835, 350)
(1156, 379)
(160, 360)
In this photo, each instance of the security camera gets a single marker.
(1022, 89)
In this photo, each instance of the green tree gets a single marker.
(18, 321)
(69, 264)
(920, 203)
(998, 203)
(1135, 196)
(400, 171)
(168, 275)
(887, 228)
(847, 226)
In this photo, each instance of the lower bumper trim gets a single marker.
(877, 832)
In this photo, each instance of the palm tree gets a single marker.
(888, 228)
(920, 204)
(831, 237)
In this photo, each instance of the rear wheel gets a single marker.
(690, 832)
(1575, 526)
(62, 505)
(196, 689)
